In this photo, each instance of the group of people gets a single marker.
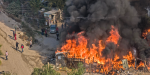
(44, 31)
(22, 46)
(63, 25)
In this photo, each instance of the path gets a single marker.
(20, 63)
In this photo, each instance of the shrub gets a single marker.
(0, 50)
(0, 62)
(46, 70)
(79, 71)
(29, 31)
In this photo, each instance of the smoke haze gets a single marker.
(97, 18)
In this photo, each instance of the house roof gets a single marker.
(53, 11)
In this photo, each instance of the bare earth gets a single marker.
(21, 63)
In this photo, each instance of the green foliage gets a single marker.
(0, 62)
(17, 1)
(58, 3)
(8, 73)
(35, 5)
(45, 71)
(9, 1)
(79, 71)
(0, 50)
(13, 8)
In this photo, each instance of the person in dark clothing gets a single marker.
(57, 29)
(22, 46)
(13, 34)
(42, 31)
(57, 34)
(17, 45)
(62, 26)
(45, 32)
(65, 24)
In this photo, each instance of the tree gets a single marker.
(58, 3)
(14, 8)
(35, 5)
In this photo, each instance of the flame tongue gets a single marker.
(77, 48)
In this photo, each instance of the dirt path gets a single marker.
(20, 63)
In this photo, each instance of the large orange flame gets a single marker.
(77, 48)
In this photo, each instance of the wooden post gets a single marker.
(145, 65)
(94, 67)
(135, 63)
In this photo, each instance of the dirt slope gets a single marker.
(20, 63)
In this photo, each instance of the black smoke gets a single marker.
(95, 17)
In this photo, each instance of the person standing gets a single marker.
(17, 45)
(57, 34)
(57, 29)
(46, 32)
(42, 31)
(62, 26)
(30, 43)
(15, 28)
(65, 24)
(22, 46)
(6, 55)
(15, 36)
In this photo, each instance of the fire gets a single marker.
(145, 33)
(77, 48)
(114, 37)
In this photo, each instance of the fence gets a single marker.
(94, 67)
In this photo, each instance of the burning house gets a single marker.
(106, 33)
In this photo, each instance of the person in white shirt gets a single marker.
(30, 43)
(6, 54)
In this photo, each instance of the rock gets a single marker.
(131, 69)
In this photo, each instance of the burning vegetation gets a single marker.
(104, 32)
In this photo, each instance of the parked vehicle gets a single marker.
(53, 29)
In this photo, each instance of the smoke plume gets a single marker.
(95, 17)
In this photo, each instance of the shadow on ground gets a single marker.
(3, 58)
